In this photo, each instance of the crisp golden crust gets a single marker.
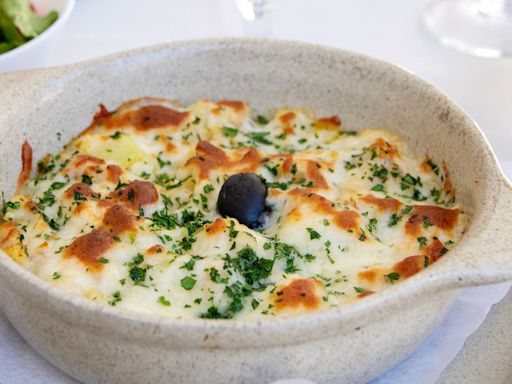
(127, 213)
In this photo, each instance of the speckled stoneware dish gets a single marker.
(349, 344)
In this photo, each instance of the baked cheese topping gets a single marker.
(126, 215)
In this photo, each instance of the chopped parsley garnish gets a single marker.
(102, 260)
(204, 201)
(252, 267)
(137, 259)
(313, 234)
(349, 165)
(188, 283)
(288, 253)
(278, 185)
(116, 297)
(216, 278)
(261, 120)
(56, 275)
(57, 185)
(380, 172)
(165, 220)
(272, 170)
(232, 232)
(86, 179)
(392, 277)
(422, 241)
(51, 222)
(359, 289)
(208, 188)
(229, 132)
(137, 274)
(116, 135)
(433, 166)
(13, 204)
(47, 200)
(162, 300)
(396, 217)
(372, 224)
(162, 163)
(189, 265)
(167, 182)
(213, 313)
(378, 188)
(259, 137)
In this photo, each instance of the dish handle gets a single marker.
(486, 259)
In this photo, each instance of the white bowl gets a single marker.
(34, 53)
(349, 344)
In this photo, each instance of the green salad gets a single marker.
(19, 23)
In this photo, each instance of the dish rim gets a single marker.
(408, 288)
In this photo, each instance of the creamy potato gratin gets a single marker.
(136, 212)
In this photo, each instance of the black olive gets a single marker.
(242, 197)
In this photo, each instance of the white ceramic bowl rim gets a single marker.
(61, 20)
(414, 286)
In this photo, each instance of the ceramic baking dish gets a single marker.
(349, 344)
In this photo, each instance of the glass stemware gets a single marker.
(478, 27)
(257, 15)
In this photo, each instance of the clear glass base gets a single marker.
(478, 27)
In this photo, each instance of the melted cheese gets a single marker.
(126, 214)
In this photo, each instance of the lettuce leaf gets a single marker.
(9, 32)
(26, 21)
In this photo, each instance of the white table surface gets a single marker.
(385, 29)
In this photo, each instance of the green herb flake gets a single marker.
(392, 277)
(116, 297)
(204, 201)
(313, 234)
(116, 136)
(216, 278)
(259, 137)
(86, 179)
(422, 241)
(232, 232)
(137, 274)
(189, 265)
(188, 283)
(261, 120)
(162, 300)
(208, 188)
(229, 132)
(13, 204)
(272, 170)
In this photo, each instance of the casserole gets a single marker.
(352, 343)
